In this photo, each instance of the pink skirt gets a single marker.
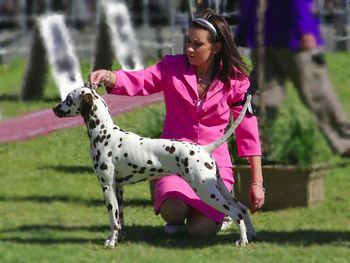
(175, 187)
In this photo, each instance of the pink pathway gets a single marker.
(44, 122)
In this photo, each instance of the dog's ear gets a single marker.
(86, 104)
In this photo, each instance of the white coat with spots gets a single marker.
(121, 157)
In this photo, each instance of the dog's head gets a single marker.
(78, 101)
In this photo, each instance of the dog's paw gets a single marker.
(242, 242)
(111, 242)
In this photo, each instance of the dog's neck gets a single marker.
(99, 119)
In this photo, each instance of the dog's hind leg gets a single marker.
(211, 195)
(233, 201)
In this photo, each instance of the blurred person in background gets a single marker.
(293, 50)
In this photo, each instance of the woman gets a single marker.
(200, 90)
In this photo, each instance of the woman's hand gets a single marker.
(256, 191)
(102, 76)
(256, 196)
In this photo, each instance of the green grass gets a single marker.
(51, 207)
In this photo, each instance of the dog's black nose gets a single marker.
(57, 111)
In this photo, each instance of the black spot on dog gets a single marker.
(208, 166)
(185, 162)
(109, 154)
(171, 149)
(225, 206)
(192, 152)
(149, 162)
(240, 216)
(125, 155)
(212, 196)
(103, 166)
(92, 124)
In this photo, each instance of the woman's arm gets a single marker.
(130, 82)
(257, 191)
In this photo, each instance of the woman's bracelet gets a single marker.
(108, 76)
(260, 185)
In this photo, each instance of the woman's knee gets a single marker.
(174, 211)
(200, 225)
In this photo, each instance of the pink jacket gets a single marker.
(186, 118)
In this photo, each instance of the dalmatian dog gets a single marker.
(121, 157)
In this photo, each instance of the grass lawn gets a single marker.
(51, 207)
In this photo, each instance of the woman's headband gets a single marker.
(207, 25)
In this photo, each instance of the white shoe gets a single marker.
(172, 229)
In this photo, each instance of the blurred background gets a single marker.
(159, 24)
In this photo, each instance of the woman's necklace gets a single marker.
(203, 87)
(203, 82)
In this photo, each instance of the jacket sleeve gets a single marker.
(247, 132)
(138, 82)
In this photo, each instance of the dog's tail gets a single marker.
(212, 146)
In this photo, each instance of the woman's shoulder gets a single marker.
(239, 84)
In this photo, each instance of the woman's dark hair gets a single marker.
(232, 62)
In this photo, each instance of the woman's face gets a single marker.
(199, 50)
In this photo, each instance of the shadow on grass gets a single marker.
(72, 169)
(52, 199)
(306, 237)
(154, 235)
(71, 199)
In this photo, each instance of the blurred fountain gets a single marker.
(116, 37)
(51, 42)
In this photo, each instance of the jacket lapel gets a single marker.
(191, 80)
(215, 87)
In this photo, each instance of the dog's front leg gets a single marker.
(113, 211)
(119, 194)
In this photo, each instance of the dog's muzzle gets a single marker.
(58, 112)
